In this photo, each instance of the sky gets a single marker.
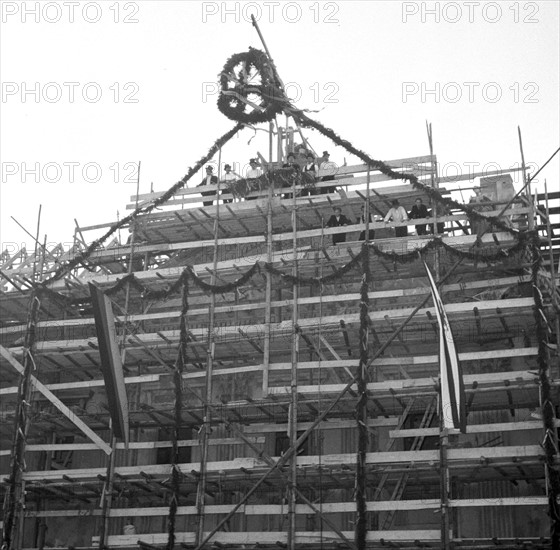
(90, 89)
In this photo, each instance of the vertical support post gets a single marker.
(527, 184)
(361, 379)
(207, 419)
(14, 503)
(293, 413)
(434, 180)
(268, 291)
(107, 495)
(444, 481)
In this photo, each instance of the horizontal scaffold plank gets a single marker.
(284, 328)
(134, 445)
(528, 452)
(272, 537)
(473, 429)
(514, 378)
(304, 365)
(278, 509)
(231, 308)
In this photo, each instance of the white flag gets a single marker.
(452, 390)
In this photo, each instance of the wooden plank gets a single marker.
(284, 327)
(389, 361)
(529, 452)
(473, 429)
(54, 447)
(272, 537)
(521, 378)
(373, 295)
(276, 509)
(82, 426)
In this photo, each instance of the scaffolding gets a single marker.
(305, 412)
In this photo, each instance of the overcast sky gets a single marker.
(91, 88)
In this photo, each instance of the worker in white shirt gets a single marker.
(228, 177)
(397, 214)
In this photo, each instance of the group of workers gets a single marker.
(305, 163)
(396, 214)
(310, 167)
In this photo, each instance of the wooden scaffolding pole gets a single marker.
(107, 495)
(207, 417)
(14, 503)
(526, 183)
(361, 379)
(268, 291)
(293, 413)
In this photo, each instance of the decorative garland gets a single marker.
(547, 407)
(384, 168)
(236, 88)
(361, 406)
(220, 142)
(257, 267)
(178, 381)
(293, 279)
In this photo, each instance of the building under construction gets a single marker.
(279, 390)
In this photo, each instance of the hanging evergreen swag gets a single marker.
(178, 382)
(547, 404)
(432, 193)
(83, 256)
(354, 263)
(249, 89)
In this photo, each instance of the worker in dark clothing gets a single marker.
(336, 220)
(209, 179)
(419, 211)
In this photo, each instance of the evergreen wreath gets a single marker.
(250, 92)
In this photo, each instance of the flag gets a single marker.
(111, 365)
(452, 390)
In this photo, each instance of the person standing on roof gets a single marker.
(397, 214)
(228, 178)
(209, 179)
(254, 172)
(329, 169)
(419, 211)
(310, 175)
(338, 219)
